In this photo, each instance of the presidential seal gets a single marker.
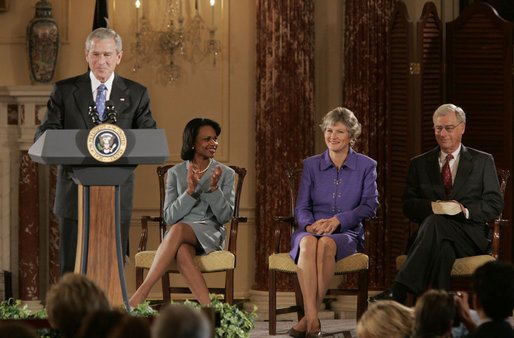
(106, 142)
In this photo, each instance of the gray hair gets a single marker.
(181, 321)
(447, 108)
(104, 34)
(345, 116)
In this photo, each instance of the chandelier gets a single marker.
(193, 40)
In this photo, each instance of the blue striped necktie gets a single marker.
(100, 101)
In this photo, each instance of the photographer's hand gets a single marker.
(461, 299)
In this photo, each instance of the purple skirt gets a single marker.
(347, 243)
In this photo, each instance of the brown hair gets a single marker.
(70, 300)
(434, 313)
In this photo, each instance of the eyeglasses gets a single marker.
(448, 129)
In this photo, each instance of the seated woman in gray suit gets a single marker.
(199, 200)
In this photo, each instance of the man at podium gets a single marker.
(69, 107)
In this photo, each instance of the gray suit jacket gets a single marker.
(476, 187)
(205, 214)
(67, 108)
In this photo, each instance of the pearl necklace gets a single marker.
(202, 171)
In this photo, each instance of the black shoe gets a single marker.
(296, 334)
(384, 295)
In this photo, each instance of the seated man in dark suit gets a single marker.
(493, 284)
(452, 191)
(68, 107)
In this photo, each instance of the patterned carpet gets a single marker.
(330, 327)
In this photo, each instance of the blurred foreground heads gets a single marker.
(386, 318)
(181, 321)
(69, 301)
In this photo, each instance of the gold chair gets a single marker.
(216, 261)
(281, 262)
(463, 268)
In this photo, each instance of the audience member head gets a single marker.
(181, 321)
(434, 314)
(113, 324)
(131, 327)
(345, 116)
(493, 284)
(99, 324)
(70, 300)
(16, 330)
(190, 134)
(386, 318)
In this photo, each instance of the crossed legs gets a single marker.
(179, 244)
(316, 266)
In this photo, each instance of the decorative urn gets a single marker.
(42, 43)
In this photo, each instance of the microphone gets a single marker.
(93, 113)
(110, 115)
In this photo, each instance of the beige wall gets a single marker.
(328, 62)
(225, 93)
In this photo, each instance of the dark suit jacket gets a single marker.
(476, 187)
(67, 108)
(493, 329)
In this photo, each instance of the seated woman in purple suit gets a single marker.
(337, 191)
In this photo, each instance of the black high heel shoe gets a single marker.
(295, 333)
(315, 333)
(301, 334)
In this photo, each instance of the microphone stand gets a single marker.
(93, 114)
(110, 115)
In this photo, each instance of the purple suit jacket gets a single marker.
(350, 194)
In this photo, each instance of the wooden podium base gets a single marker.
(99, 249)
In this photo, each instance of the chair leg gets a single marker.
(166, 288)
(272, 304)
(299, 298)
(139, 277)
(229, 287)
(362, 297)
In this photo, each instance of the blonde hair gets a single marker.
(386, 318)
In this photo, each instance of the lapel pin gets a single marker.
(122, 99)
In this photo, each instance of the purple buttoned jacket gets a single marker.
(350, 194)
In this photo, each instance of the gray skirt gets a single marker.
(210, 235)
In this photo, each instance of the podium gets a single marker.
(99, 248)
